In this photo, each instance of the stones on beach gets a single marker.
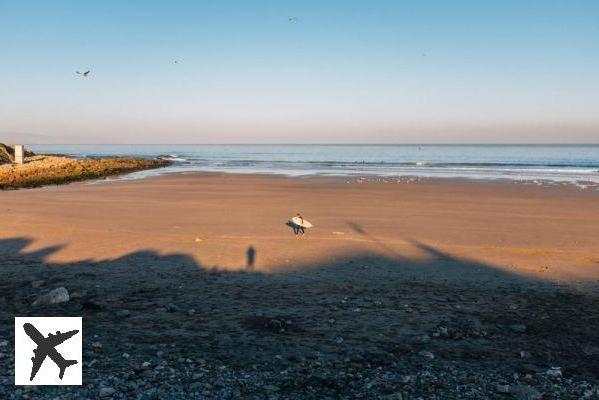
(523, 392)
(56, 296)
(106, 392)
(518, 328)
(554, 372)
(123, 313)
(172, 308)
(502, 389)
(38, 284)
(427, 354)
(421, 339)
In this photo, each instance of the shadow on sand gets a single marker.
(361, 307)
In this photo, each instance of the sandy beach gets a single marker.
(434, 288)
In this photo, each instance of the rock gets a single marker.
(271, 388)
(523, 392)
(123, 313)
(97, 345)
(502, 389)
(107, 392)
(76, 295)
(554, 372)
(56, 296)
(38, 284)
(525, 354)
(421, 339)
(126, 355)
(518, 328)
(338, 340)
(172, 308)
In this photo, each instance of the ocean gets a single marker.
(544, 163)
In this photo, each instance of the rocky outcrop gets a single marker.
(7, 153)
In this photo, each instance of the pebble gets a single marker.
(107, 392)
(523, 392)
(503, 389)
(421, 339)
(56, 296)
(38, 284)
(123, 313)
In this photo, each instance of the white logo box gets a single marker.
(45, 331)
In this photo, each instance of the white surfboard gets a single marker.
(299, 222)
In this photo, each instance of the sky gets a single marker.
(419, 71)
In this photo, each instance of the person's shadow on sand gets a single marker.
(251, 257)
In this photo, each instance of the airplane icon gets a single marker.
(46, 347)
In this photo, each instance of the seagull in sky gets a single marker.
(83, 73)
(292, 19)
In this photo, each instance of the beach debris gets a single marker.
(56, 296)
(97, 345)
(198, 239)
(126, 355)
(427, 354)
(338, 233)
(543, 268)
(339, 340)
(518, 328)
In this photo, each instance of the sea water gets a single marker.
(550, 163)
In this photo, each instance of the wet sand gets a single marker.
(431, 289)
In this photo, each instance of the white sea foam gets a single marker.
(574, 164)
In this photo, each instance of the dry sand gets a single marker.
(498, 282)
(545, 233)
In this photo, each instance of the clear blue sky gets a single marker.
(344, 71)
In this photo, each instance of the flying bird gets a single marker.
(83, 73)
(292, 19)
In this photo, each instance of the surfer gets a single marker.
(299, 228)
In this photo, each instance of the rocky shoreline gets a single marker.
(42, 170)
(182, 332)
